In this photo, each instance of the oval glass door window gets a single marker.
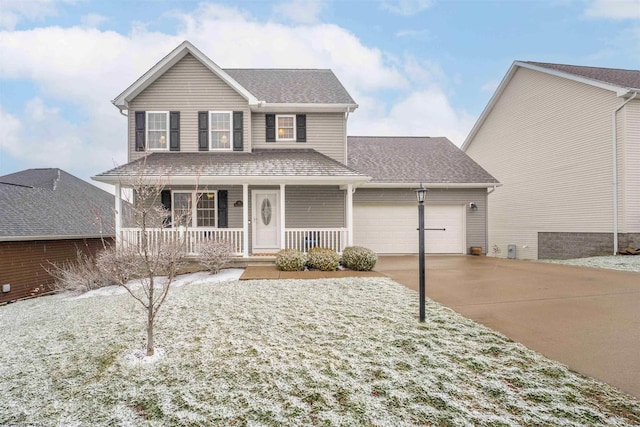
(266, 211)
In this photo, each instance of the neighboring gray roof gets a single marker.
(308, 86)
(259, 163)
(51, 202)
(413, 160)
(615, 76)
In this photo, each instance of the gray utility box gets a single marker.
(511, 251)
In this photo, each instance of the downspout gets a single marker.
(615, 172)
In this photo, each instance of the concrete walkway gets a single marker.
(586, 318)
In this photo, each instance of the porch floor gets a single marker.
(270, 272)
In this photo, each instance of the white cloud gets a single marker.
(406, 7)
(422, 113)
(93, 20)
(613, 9)
(85, 68)
(14, 11)
(299, 11)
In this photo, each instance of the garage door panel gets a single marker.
(393, 229)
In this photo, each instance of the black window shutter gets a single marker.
(174, 131)
(140, 133)
(270, 120)
(203, 130)
(237, 131)
(165, 197)
(301, 127)
(222, 209)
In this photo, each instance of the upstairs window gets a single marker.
(286, 127)
(220, 130)
(158, 130)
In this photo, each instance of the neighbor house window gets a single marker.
(158, 130)
(220, 130)
(202, 212)
(285, 128)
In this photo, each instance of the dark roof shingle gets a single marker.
(294, 86)
(615, 76)
(280, 162)
(51, 202)
(413, 160)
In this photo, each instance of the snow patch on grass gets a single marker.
(181, 280)
(338, 352)
(139, 356)
(618, 262)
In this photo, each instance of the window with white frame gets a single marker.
(158, 130)
(220, 130)
(182, 208)
(202, 213)
(206, 209)
(285, 127)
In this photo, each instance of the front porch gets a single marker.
(260, 201)
(301, 239)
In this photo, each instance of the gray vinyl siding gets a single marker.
(631, 197)
(325, 134)
(234, 215)
(475, 221)
(548, 141)
(314, 207)
(188, 87)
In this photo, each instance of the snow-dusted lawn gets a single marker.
(344, 352)
(619, 262)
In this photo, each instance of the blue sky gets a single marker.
(415, 67)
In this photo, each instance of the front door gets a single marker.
(266, 220)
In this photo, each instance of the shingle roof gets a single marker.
(615, 76)
(259, 163)
(413, 160)
(51, 202)
(310, 86)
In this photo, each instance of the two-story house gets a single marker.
(261, 159)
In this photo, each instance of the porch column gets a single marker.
(245, 220)
(349, 215)
(118, 209)
(282, 218)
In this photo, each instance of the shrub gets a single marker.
(214, 255)
(323, 259)
(359, 258)
(290, 260)
(81, 275)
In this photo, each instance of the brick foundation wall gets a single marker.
(21, 263)
(581, 245)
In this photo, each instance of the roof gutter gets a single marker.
(614, 155)
(431, 185)
(57, 237)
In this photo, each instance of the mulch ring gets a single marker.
(270, 272)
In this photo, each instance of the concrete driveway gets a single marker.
(586, 318)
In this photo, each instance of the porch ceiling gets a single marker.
(304, 166)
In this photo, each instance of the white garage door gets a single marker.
(394, 229)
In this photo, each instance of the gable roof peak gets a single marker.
(184, 48)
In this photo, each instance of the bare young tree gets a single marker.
(137, 262)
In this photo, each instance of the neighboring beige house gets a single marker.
(565, 143)
(261, 159)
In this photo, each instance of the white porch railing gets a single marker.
(193, 237)
(304, 239)
(301, 239)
